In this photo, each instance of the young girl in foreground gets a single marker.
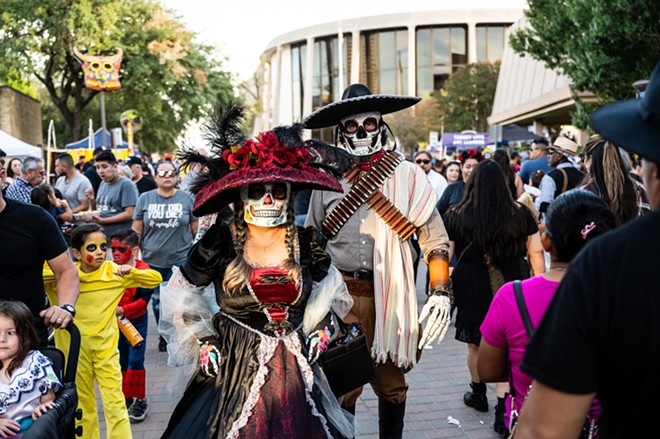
(27, 380)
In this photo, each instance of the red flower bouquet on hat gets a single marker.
(280, 155)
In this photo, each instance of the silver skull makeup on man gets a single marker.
(363, 134)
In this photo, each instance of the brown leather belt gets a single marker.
(359, 288)
(361, 275)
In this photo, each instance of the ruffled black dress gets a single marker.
(265, 387)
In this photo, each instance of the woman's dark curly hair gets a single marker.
(575, 218)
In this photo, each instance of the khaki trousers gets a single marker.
(389, 382)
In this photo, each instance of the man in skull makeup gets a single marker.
(367, 230)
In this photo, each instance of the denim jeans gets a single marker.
(133, 357)
(155, 297)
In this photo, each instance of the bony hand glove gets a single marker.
(437, 309)
(317, 343)
(209, 358)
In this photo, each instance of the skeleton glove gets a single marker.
(209, 359)
(317, 343)
(437, 310)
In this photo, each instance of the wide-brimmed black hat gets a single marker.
(357, 98)
(634, 124)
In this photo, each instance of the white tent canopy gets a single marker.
(14, 147)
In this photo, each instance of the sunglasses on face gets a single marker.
(420, 161)
(166, 174)
(257, 191)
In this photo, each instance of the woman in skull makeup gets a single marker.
(257, 374)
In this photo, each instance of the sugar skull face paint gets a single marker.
(266, 203)
(94, 251)
(121, 253)
(101, 72)
(362, 133)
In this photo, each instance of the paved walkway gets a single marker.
(436, 392)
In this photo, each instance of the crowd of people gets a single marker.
(309, 247)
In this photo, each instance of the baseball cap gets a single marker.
(133, 160)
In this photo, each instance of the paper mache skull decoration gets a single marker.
(101, 72)
(133, 117)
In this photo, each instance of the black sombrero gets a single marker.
(357, 98)
(634, 124)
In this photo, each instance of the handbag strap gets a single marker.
(527, 321)
(522, 308)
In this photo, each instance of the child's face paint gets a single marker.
(121, 253)
(94, 251)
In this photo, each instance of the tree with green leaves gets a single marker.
(412, 125)
(166, 76)
(466, 98)
(603, 46)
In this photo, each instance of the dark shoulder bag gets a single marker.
(347, 362)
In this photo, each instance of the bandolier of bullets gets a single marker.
(365, 190)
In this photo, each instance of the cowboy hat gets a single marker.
(357, 98)
(565, 146)
(633, 124)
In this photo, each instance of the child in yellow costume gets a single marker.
(102, 284)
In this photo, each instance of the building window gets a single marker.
(490, 41)
(298, 56)
(440, 51)
(325, 81)
(384, 61)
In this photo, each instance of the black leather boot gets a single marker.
(499, 426)
(477, 398)
(390, 419)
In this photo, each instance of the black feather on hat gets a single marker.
(279, 155)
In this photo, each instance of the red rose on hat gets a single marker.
(237, 158)
(282, 156)
(264, 156)
(268, 139)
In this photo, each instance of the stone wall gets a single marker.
(20, 116)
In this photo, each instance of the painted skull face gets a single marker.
(361, 133)
(101, 72)
(266, 203)
(133, 117)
